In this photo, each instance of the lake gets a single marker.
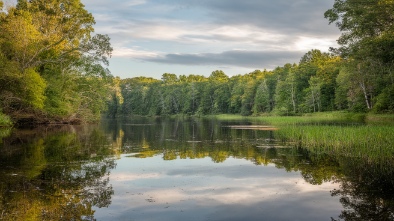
(184, 169)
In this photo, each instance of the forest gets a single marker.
(356, 77)
(53, 68)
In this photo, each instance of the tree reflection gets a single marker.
(56, 174)
(63, 173)
(367, 190)
(366, 187)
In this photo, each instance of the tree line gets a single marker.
(52, 64)
(309, 86)
(53, 68)
(357, 76)
(319, 82)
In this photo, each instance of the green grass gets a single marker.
(321, 117)
(368, 136)
(342, 138)
(229, 117)
(344, 134)
(324, 117)
(380, 118)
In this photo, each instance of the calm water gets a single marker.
(182, 169)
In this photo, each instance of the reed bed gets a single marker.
(321, 117)
(369, 136)
(366, 141)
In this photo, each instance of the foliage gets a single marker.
(5, 120)
(50, 63)
(367, 44)
(33, 89)
(357, 76)
(289, 90)
(61, 174)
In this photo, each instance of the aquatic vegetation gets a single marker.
(369, 136)
(356, 140)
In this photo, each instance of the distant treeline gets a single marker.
(53, 69)
(320, 82)
(357, 76)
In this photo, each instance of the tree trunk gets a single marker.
(313, 101)
(293, 98)
(367, 99)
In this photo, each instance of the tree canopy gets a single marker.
(357, 76)
(51, 64)
(367, 44)
(53, 68)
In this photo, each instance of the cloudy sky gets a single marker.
(152, 37)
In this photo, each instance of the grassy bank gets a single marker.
(321, 117)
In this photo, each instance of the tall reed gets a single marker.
(367, 141)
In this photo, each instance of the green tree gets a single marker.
(49, 46)
(222, 98)
(237, 90)
(248, 97)
(169, 78)
(265, 91)
(218, 76)
(313, 97)
(207, 103)
(317, 73)
(286, 90)
(192, 98)
(367, 43)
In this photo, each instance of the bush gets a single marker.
(5, 121)
(385, 101)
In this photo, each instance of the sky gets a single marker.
(152, 37)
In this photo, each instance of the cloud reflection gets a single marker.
(234, 190)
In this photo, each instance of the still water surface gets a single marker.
(182, 169)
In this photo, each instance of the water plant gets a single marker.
(353, 140)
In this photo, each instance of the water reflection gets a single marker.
(191, 138)
(367, 190)
(194, 169)
(55, 174)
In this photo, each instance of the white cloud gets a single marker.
(236, 58)
(135, 2)
(113, 4)
(133, 53)
(306, 43)
(237, 191)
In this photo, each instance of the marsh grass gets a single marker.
(380, 118)
(366, 136)
(351, 140)
(228, 117)
(331, 117)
